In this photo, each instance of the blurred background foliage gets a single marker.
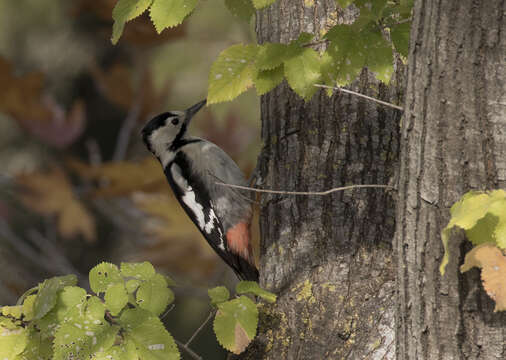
(77, 185)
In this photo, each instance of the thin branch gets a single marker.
(211, 313)
(126, 130)
(360, 95)
(315, 43)
(188, 350)
(320, 193)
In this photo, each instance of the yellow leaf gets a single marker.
(492, 262)
(123, 177)
(50, 194)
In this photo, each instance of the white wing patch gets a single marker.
(190, 200)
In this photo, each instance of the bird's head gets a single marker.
(166, 130)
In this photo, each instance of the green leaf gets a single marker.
(84, 332)
(13, 339)
(116, 298)
(266, 80)
(347, 53)
(272, 55)
(46, 296)
(132, 285)
(126, 10)
(302, 72)
(125, 351)
(243, 9)
(38, 347)
(260, 4)
(379, 54)
(169, 13)
(400, 38)
(252, 287)
(71, 298)
(146, 331)
(231, 73)
(103, 275)
(218, 294)
(235, 324)
(141, 271)
(14, 311)
(28, 307)
(466, 214)
(154, 295)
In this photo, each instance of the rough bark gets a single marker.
(328, 258)
(453, 140)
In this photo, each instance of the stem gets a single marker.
(188, 350)
(211, 313)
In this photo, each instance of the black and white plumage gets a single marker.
(193, 166)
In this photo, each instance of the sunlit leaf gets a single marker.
(150, 337)
(235, 324)
(302, 72)
(47, 293)
(154, 295)
(467, 213)
(142, 271)
(266, 80)
(13, 340)
(492, 262)
(232, 73)
(104, 275)
(169, 13)
(84, 333)
(116, 298)
(218, 294)
(126, 10)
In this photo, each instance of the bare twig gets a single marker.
(315, 43)
(307, 193)
(167, 311)
(211, 313)
(360, 95)
(188, 350)
(126, 130)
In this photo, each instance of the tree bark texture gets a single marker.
(327, 258)
(453, 140)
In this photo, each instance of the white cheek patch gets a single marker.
(158, 141)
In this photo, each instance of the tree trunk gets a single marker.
(327, 258)
(453, 140)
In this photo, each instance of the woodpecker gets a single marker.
(192, 167)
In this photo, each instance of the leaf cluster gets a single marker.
(482, 215)
(58, 320)
(349, 48)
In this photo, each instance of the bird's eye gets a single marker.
(175, 121)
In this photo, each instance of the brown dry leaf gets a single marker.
(492, 262)
(180, 247)
(123, 177)
(241, 339)
(22, 98)
(117, 84)
(51, 194)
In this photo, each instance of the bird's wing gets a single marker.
(232, 205)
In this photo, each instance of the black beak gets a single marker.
(192, 110)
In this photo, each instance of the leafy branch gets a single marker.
(348, 48)
(120, 319)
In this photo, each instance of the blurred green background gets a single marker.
(77, 185)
